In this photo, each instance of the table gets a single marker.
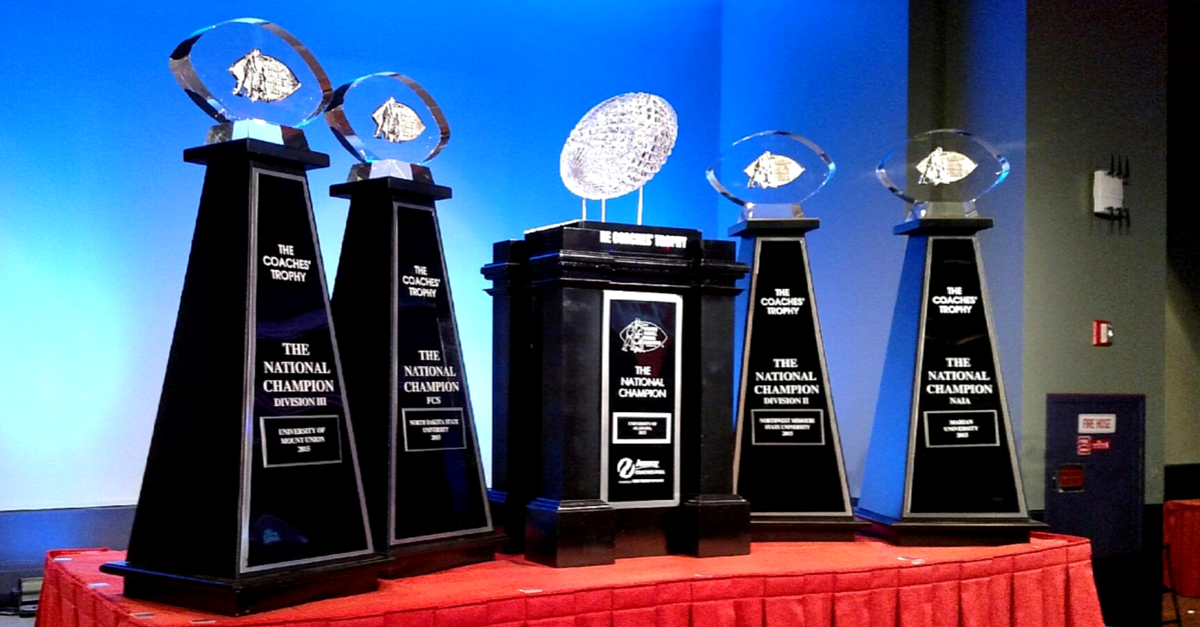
(1044, 583)
(1181, 530)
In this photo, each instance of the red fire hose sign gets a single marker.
(1083, 445)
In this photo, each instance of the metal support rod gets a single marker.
(640, 204)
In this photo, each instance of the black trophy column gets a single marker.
(942, 464)
(712, 520)
(789, 453)
(404, 370)
(613, 392)
(252, 498)
(516, 394)
(568, 524)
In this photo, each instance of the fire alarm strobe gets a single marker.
(1102, 333)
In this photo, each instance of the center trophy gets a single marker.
(788, 463)
(613, 354)
(399, 336)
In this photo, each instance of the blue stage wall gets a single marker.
(97, 206)
(837, 73)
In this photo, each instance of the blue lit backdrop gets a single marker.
(97, 206)
(837, 73)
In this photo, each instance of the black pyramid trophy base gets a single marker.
(250, 595)
(942, 466)
(404, 371)
(432, 556)
(611, 416)
(789, 455)
(235, 516)
(949, 532)
(804, 529)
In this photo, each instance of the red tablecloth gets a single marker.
(1045, 583)
(1181, 530)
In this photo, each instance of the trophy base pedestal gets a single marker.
(950, 531)
(804, 528)
(249, 595)
(712, 525)
(563, 534)
(411, 561)
(940, 225)
(642, 532)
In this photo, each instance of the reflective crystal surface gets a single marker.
(396, 122)
(387, 116)
(771, 173)
(942, 172)
(251, 69)
(618, 146)
(943, 167)
(263, 78)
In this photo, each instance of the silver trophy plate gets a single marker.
(943, 167)
(263, 78)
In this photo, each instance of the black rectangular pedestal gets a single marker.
(611, 414)
(943, 532)
(432, 556)
(570, 533)
(642, 532)
(804, 529)
(712, 525)
(249, 595)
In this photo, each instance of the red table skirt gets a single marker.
(1045, 583)
(1181, 530)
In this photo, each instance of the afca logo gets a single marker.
(640, 336)
(627, 468)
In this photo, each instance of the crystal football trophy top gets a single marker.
(400, 126)
(618, 147)
(254, 78)
(771, 173)
(942, 173)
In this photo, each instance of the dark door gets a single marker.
(1094, 469)
(1095, 483)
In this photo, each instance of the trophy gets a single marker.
(786, 426)
(942, 464)
(940, 174)
(407, 127)
(252, 65)
(252, 498)
(617, 147)
(399, 337)
(612, 361)
(769, 174)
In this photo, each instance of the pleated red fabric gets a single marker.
(1181, 530)
(1045, 583)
